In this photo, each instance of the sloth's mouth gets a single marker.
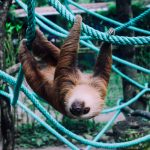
(82, 116)
(79, 112)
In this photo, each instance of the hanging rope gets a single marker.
(30, 35)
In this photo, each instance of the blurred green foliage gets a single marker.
(11, 43)
(28, 136)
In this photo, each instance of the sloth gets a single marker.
(53, 74)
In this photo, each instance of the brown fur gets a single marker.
(55, 76)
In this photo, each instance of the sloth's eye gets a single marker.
(69, 82)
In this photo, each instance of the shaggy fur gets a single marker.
(52, 73)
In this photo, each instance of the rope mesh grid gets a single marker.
(92, 33)
(29, 94)
(100, 35)
(124, 26)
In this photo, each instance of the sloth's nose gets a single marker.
(78, 108)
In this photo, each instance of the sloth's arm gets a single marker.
(34, 76)
(68, 55)
(44, 49)
(40, 80)
(104, 61)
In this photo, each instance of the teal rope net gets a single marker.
(90, 33)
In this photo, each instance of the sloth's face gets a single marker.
(85, 100)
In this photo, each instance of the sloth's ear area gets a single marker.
(104, 61)
(68, 54)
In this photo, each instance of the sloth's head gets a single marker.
(85, 97)
(81, 95)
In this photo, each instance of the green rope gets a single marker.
(30, 35)
(29, 94)
(133, 82)
(122, 25)
(133, 21)
(121, 40)
(44, 124)
(50, 30)
(100, 134)
(63, 33)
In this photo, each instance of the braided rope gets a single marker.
(100, 134)
(121, 40)
(63, 34)
(44, 124)
(132, 21)
(30, 35)
(29, 94)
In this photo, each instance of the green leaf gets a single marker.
(39, 142)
